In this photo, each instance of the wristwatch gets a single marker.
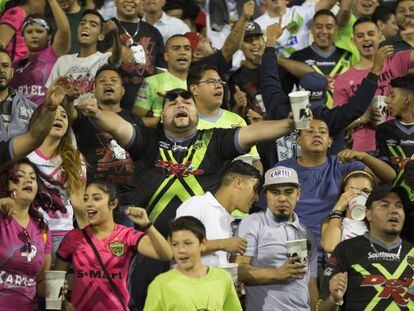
(339, 303)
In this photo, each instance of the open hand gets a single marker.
(248, 10)
(236, 245)
(380, 56)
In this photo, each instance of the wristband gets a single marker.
(335, 217)
(336, 214)
(339, 303)
(146, 226)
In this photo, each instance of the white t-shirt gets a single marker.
(81, 70)
(52, 169)
(352, 228)
(297, 40)
(216, 220)
(169, 26)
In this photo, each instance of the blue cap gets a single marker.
(317, 85)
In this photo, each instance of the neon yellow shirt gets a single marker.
(153, 88)
(344, 39)
(172, 291)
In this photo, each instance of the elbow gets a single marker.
(328, 247)
(167, 254)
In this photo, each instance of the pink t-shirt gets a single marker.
(15, 18)
(31, 74)
(18, 266)
(397, 65)
(91, 290)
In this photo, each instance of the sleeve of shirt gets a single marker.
(313, 255)
(190, 208)
(68, 245)
(105, 59)
(142, 140)
(133, 237)
(381, 145)
(54, 74)
(307, 11)
(13, 17)
(335, 264)
(144, 98)
(231, 301)
(159, 61)
(154, 301)
(225, 143)
(401, 61)
(49, 242)
(248, 229)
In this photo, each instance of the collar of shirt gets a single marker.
(271, 218)
(211, 199)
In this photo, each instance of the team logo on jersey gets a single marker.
(117, 248)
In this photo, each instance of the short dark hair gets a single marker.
(196, 73)
(96, 13)
(406, 82)
(188, 223)
(363, 20)
(108, 67)
(237, 168)
(325, 12)
(5, 51)
(173, 37)
(382, 13)
(398, 3)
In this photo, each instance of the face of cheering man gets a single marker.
(323, 30)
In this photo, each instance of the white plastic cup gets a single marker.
(54, 288)
(379, 103)
(298, 248)
(299, 101)
(232, 269)
(357, 206)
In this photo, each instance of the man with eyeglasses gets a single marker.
(178, 161)
(271, 277)
(149, 101)
(373, 271)
(207, 88)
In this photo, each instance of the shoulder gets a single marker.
(165, 278)
(232, 117)
(252, 219)
(148, 27)
(218, 273)
(291, 162)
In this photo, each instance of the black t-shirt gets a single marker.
(148, 48)
(74, 20)
(105, 158)
(248, 80)
(217, 59)
(378, 278)
(398, 43)
(5, 155)
(174, 172)
(395, 143)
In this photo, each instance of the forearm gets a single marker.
(215, 245)
(114, 125)
(234, 40)
(252, 275)
(159, 244)
(151, 121)
(381, 169)
(116, 48)
(62, 22)
(295, 68)
(327, 305)
(344, 13)
(331, 236)
(248, 136)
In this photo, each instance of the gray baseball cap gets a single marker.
(281, 175)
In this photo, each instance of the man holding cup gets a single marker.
(374, 270)
(279, 266)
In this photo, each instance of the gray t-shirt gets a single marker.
(266, 243)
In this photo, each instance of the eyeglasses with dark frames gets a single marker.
(212, 81)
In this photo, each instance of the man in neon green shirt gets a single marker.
(191, 286)
(148, 104)
(207, 88)
(349, 12)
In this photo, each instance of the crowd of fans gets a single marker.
(149, 145)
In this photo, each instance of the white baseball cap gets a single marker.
(281, 175)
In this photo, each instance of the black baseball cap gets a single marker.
(252, 28)
(380, 192)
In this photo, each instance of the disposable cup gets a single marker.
(54, 288)
(232, 269)
(298, 248)
(299, 102)
(379, 103)
(357, 206)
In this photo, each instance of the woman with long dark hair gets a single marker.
(25, 240)
(102, 252)
(63, 172)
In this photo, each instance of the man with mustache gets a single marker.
(374, 270)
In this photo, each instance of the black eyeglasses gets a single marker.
(212, 81)
(27, 247)
(173, 95)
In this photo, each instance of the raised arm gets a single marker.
(235, 38)
(325, 5)
(345, 12)
(62, 40)
(112, 28)
(294, 67)
(107, 121)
